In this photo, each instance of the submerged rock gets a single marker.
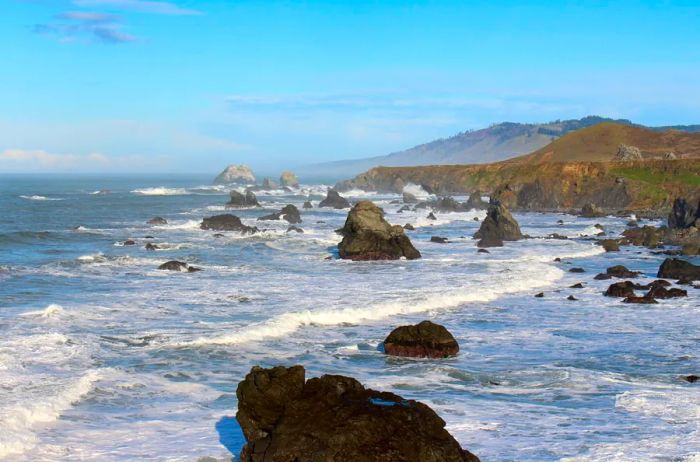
(157, 221)
(619, 271)
(240, 174)
(423, 340)
(438, 240)
(335, 419)
(295, 229)
(334, 200)
(242, 200)
(227, 222)
(679, 269)
(498, 226)
(640, 300)
(368, 236)
(175, 265)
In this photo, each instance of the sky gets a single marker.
(189, 86)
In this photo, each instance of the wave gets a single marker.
(417, 191)
(41, 198)
(48, 312)
(160, 191)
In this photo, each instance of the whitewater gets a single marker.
(105, 358)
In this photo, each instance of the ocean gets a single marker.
(103, 357)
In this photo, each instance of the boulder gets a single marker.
(151, 247)
(307, 205)
(175, 265)
(334, 418)
(238, 200)
(227, 222)
(647, 236)
(591, 211)
(409, 227)
(157, 221)
(610, 245)
(295, 229)
(619, 271)
(235, 174)
(289, 213)
(438, 239)
(662, 292)
(626, 153)
(289, 179)
(679, 269)
(448, 204)
(577, 270)
(409, 198)
(474, 202)
(334, 200)
(498, 226)
(368, 236)
(640, 300)
(269, 184)
(621, 289)
(403, 209)
(423, 340)
(683, 215)
(129, 242)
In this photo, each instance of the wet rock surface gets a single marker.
(423, 340)
(227, 222)
(498, 226)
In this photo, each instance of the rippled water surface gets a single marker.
(105, 358)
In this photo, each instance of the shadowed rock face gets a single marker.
(335, 419)
(334, 200)
(679, 269)
(683, 215)
(227, 222)
(424, 340)
(368, 236)
(498, 226)
(242, 200)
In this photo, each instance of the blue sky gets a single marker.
(190, 86)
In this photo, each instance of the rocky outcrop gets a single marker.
(683, 215)
(269, 184)
(621, 289)
(235, 174)
(592, 211)
(288, 213)
(448, 204)
(333, 418)
(423, 340)
(238, 200)
(227, 222)
(498, 226)
(157, 221)
(610, 245)
(475, 202)
(308, 205)
(334, 200)
(175, 265)
(647, 236)
(289, 179)
(619, 271)
(368, 236)
(679, 269)
(626, 153)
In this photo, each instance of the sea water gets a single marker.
(105, 358)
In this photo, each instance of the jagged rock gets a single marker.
(679, 269)
(621, 289)
(289, 213)
(157, 221)
(498, 226)
(536, 196)
(474, 202)
(367, 236)
(335, 419)
(239, 200)
(289, 179)
(662, 292)
(431, 216)
(683, 215)
(592, 211)
(409, 227)
(423, 340)
(307, 205)
(227, 222)
(619, 271)
(647, 236)
(438, 239)
(409, 198)
(269, 184)
(175, 265)
(627, 153)
(610, 245)
(334, 200)
(238, 174)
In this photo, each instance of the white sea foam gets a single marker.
(48, 312)
(417, 191)
(160, 191)
(41, 198)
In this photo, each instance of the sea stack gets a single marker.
(498, 226)
(289, 179)
(285, 417)
(235, 174)
(368, 236)
(334, 200)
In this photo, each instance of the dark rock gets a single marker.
(498, 226)
(592, 211)
(403, 209)
(334, 200)
(647, 236)
(602, 277)
(239, 200)
(129, 242)
(409, 198)
(438, 239)
(218, 235)
(571, 298)
(294, 229)
(367, 236)
(690, 250)
(335, 419)
(621, 289)
(431, 216)
(557, 236)
(269, 184)
(423, 340)
(291, 214)
(610, 245)
(193, 269)
(683, 215)
(662, 292)
(150, 246)
(679, 269)
(475, 202)
(227, 222)
(640, 300)
(632, 224)
(448, 204)
(578, 285)
(557, 260)
(691, 378)
(175, 265)
(539, 295)
(476, 218)
(619, 271)
(483, 251)
(157, 221)
(409, 227)
(560, 222)
(577, 270)
(307, 205)
(149, 237)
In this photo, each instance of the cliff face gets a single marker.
(613, 186)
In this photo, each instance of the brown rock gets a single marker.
(423, 340)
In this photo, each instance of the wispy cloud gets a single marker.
(143, 6)
(102, 27)
(47, 159)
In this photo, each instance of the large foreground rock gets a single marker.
(424, 340)
(238, 174)
(679, 269)
(334, 200)
(239, 200)
(368, 236)
(498, 226)
(335, 419)
(227, 222)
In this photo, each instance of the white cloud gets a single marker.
(143, 6)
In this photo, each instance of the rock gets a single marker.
(423, 340)
(269, 184)
(474, 202)
(621, 289)
(367, 236)
(403, 209)
(577, 270)
(218, 235)
(476, 218)
(539, 295)
(238, 200)
(679, 269)
(227, 222)
(294, 229)
(683, 215)
(578, 285)
(288, 213)
(619, 271)
(610, 245)
(602, 277)
(438, 239)
(483, 251)
(289, 179)
(498, 226)
(670, 156)
(690, 250)
(591, 211)
(409, 227)
(640, 300)
(175, 265)
(431, 216)
(662, 292)
(157, 221)
(557, 236)
(307, 205)
(150, 246)
(238, 174)
(129, 242)
(691, 378)
(571, 298)
(448, 204)
(334, 418)
(627, 153)
(334, 200)
(409, 198)
(632, 224)
(647, 236)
